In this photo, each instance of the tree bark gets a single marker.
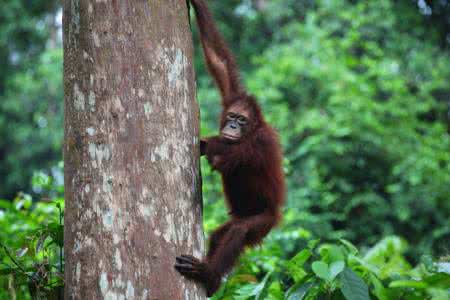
(131, 150)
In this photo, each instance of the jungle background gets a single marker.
(359, 92)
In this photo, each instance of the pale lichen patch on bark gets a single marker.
(116, 238)
(145, 293)
(162, 151)
(128, 28)
(90, 131)
(107, 184)
(118, 260)
(118, 282)
(78, 98)
(91, 101)
(108, 219)
(103, 283)
(88, 214)
(199, 249)
(176, 68)
(109, 291)
(99, 153)
(96, 39)
(147, 110)
(170, 234)
(145, 210)
(78, 272)
(74, 26)
(130, 290)
(118, 104)
(77, 246)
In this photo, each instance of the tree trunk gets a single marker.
(131, 150)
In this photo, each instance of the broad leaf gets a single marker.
(262, 286)
(438, 280)
(353, 287)
(299, 291)
(300, 258)
(294, 266)
(336, 268)
(321, 270)
(378, 289)
(256, 290)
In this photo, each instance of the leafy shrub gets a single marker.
(337, 271)
(31, 245)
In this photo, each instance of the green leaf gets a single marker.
(5, 204)
(254, 290)
(275, 291)
(56, 231)
(349, 246)
(6, 271)
(408, 284)
(299, 291)
(353, 287)
(262, 286)
(331, 253)
(336, 268)
(21, 252)
(300, 258)
(24, 202)
(297, 273)
(378, 289)
(313, 243)
(245, 291)
(294, 266)
(321, 270)
(440, 280)
(40, 243)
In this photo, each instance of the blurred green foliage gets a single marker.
(31, 244)
(31, 93)
(360, 94)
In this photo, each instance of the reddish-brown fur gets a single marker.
(251, 168)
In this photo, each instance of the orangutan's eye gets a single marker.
(231, 116)
(242, 120)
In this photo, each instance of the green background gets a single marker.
(359, 92)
